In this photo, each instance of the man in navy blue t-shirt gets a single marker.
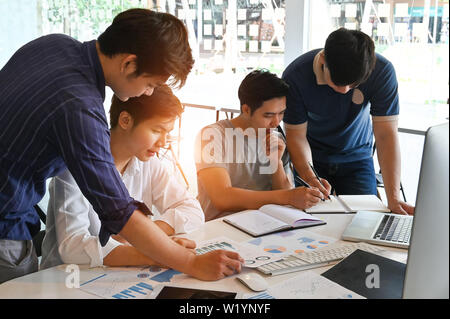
(338, 98)
(52, 118)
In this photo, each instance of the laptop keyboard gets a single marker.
(314, 259)
(394, 229)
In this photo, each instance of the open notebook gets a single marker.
(271, 218)
(349, 204)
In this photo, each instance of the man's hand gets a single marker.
(314, 182)
(149, 239)
(303, 197)
(216, 265)
(400, 207)
(275, 146)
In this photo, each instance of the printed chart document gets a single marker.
(271, 218)
(307, 285)
(131, 282)
(291, 242)
(253, 256)
(349, 204)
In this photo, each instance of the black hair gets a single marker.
(158, 39)
(260, 86)
(349, 56)
(161, 103)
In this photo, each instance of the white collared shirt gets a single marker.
(72, 226)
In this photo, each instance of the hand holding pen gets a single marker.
(299, 180)
(306, 197)
(321, 181)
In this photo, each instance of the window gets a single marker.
(232, 35)
(83, 20)
(24, 20)
(229, 38)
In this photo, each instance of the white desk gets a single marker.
(50, 283)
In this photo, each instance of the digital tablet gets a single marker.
(177, 292)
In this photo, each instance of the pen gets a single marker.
(317, 176)
(302, 182)
(299, 180)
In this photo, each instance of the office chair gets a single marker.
(379, 177)
(39, 237)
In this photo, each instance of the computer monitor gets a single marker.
(427, 268)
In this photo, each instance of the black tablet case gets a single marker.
(351, 274)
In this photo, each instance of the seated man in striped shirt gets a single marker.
(139, 129)
(52, 119)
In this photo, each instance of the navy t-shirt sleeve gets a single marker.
(385, 100)
(82, 138)
(295, 106)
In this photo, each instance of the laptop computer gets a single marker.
(393, 229)
(380, 228)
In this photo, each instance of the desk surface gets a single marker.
(50, 283)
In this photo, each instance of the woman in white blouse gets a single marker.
(139, 128)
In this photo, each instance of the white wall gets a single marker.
(18, 28)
